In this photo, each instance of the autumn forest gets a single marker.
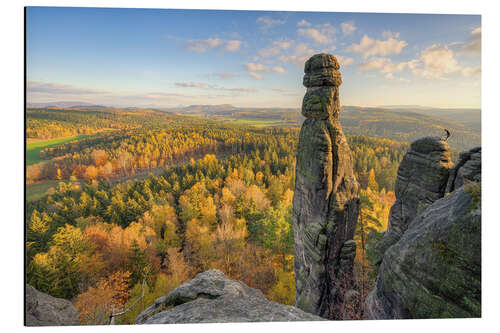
(124, 199)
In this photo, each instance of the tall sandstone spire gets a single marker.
(326, 199)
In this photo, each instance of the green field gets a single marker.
(33, 149)
(259, 123)
(38, 190)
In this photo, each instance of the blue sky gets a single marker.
(158, 57)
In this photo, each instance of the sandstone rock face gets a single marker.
(326, 198)
(213, 298)
(45, 310)
(468, 169)
(434, 269)
(421, 180)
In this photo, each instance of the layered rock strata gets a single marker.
(326, 198)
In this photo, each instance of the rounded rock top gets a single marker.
(321, 70)
(321, 61)
(429, 144)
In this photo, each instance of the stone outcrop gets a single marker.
(213, 298)
(326, 198)
(45, 310)
(468, 169)
(434, 269)
(422, 178)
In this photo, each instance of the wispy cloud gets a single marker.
(256, 76)
(348, 27)
(437, 61)
(278, 69)
(232, 45)
(245, 90)
(474, 42)
(384, 65)
(303, 23)
(204, 85)
(321, 34)
(344, 61)
(255, 70)
(61, 89)
(203, 45)
(226, 75)
(267, 23)
(371, 47)
(193, 85)
(276, 47)
(300, 54)
(254, 67)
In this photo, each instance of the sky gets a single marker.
(166, 58)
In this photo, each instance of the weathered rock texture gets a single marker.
(326, 199)
(434, 269)
(421, 180)
(212, 298)
(468, 169)
(45, 310)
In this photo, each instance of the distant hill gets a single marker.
(471, 118)
(63, 104)
(402, 123)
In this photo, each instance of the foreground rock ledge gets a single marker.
(45, 310)
(213, 298)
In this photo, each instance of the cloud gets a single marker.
(203, 85)
(254, 67)
(437, 61)
(278, 69)
(232, 45)
(391, 76)
(191, 84)
(344, 61)
(321, 34)
(370, 47)
(255, 70)
(267, 23)
(474, 42)
(303, 23)
(283, 44)
(256, 76)
(245, 90)
(203, 45)
(225, 75)
(348, 27)
(275, 48)
(314, 34)
(57, 88)
(387, 34)
(384, 65)
(299, 55)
